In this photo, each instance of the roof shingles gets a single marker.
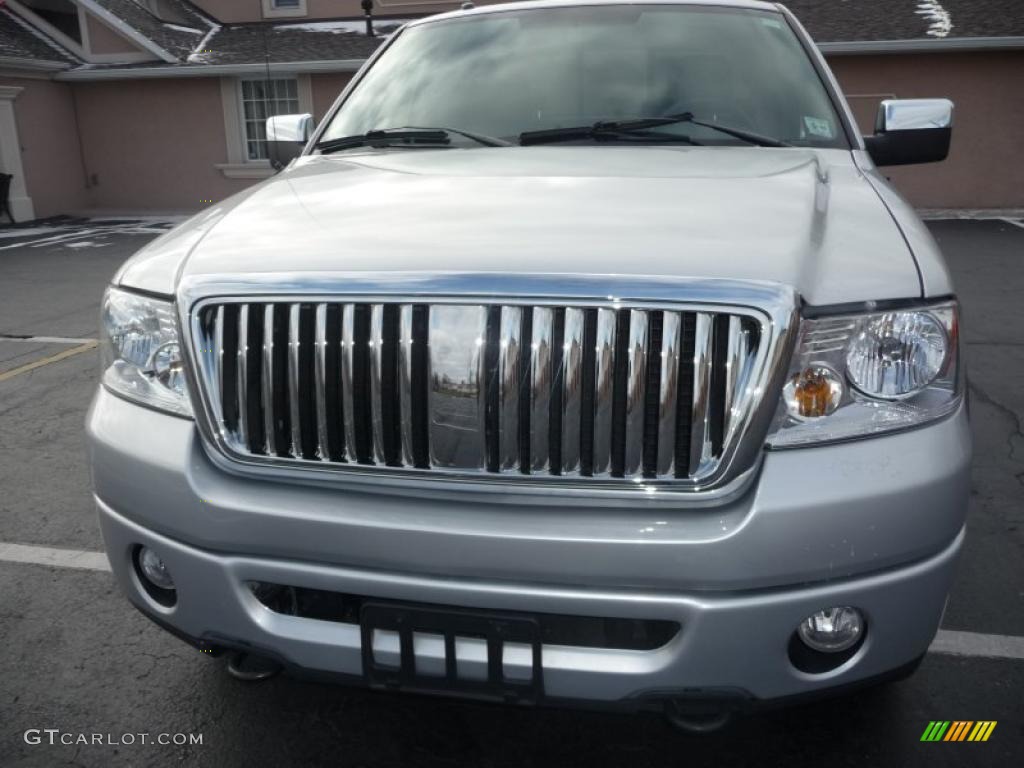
(18, 40)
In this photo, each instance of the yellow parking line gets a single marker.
(47, 360)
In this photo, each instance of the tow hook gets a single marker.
(251, 667)
(686, 717)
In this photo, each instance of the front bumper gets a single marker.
(876, 524)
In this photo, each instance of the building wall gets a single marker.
(154, 144)
(102, 39)
(327, 88)
(252, 10)
(52, 163)
(984, 168)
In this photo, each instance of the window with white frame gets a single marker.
(262, 99)
(278, 8)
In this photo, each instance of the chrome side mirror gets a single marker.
(286, 137)
(911, 131)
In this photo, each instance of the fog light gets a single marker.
(154, 569)
(833, 630)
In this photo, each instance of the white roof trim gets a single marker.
(38, 65)
(211, 70)
(128, 31)
(922, 45)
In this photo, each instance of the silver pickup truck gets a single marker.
(579, 355)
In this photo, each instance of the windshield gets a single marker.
(503, 74)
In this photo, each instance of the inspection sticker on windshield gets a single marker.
(818, 127)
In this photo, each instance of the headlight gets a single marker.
(861, 375)
(141, 355)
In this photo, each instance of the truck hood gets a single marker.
(804, 218)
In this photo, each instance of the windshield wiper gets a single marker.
(642, 126)
(406, 137)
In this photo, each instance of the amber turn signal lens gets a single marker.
(813, 392)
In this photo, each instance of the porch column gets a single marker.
(10, 155)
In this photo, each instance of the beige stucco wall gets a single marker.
(102, 39)
(984, 169)
(45, 117)
(153, 144)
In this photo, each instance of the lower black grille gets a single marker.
(555, 629)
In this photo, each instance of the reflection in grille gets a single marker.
(499, 390)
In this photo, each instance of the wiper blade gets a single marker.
(409, 137)
(386, 138)
(642, 125)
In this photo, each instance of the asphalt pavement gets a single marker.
(77, 658)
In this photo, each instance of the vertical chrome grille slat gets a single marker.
(323, 450)
(700, 433)
(604, 376)
(405, 343)
(267, 388)
(671, 329)
(613, 392)
(572, 390)
(293, 380)
(242, 379)
(376, 357)
(635, 391)
(218, 351)
(348, 403)
(508, 384)
(540, 387)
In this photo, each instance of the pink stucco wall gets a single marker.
(102, 39)
(983, 169)
(326, 89)
(45, 116)
(153, 144)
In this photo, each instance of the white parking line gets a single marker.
(947, 641)
(58, 558)
(976, 644)
(1015, 223)
(46, 340)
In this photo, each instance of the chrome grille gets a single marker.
(596, 393)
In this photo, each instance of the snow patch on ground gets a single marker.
(86, 233)
(941, 22)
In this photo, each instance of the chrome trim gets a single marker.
(405, 342)
(604, 370)
(218, 347)
(323, 448)
(376, 361)
(540, 387)
(293, 380)
(267, 388)
(347, 349)
(636, 390)
(572, 390)
(700, 432)
(671, 336)
(456, 393)
(241, 379)
(510, 335)
(772, 307)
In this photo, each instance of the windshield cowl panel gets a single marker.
(503, 74)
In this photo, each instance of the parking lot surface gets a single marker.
(79, 659)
